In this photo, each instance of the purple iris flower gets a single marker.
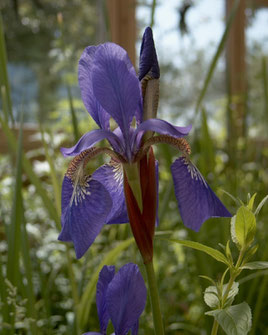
(110, 89)
(120, 298)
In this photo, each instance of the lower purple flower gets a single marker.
(120, 298)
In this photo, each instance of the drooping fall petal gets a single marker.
(84, 211)
(196, 200)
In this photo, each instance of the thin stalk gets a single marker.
(233, 274)
(154, 297)
(215, 328)
(153, 13)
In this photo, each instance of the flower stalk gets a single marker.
(154, 297)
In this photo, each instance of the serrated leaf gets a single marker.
(216, 254)
(251, 202)
(211, 294)
(255, 266)
(244, 227)
(234, 320)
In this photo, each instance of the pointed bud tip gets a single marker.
(148, 57)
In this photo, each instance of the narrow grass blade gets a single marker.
(53, 174)
(30, 295)
(206, 146)
(153, 13)
(14, 229)
(89, 292)
(27, 166)
(74, 119)
(216, 56)
(3, 294)
(3, 71)
(14, 237)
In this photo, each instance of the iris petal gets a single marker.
(85, 82)
(161, 127)
(84, 212)
(89, 139)
(111, 176)
(196, 200)
(148, 57)
(116, 85)
(126, 298)
(105, 277)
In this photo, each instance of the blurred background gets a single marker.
(213, 57)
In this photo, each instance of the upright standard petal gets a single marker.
(85, 207)
(105, 277)
(116, 85)
(112, 178)
(148, 57)
(89, 140)
(196, 201)
(85, 82)
(126, 298)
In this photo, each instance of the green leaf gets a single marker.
(251, 202)
(14, 231)
(89, 292)
(243, 227)
(234, 320)
(261, 205)
(208, 278)
(211, 295)
(255, 266)
(228, 252)
(216, 254)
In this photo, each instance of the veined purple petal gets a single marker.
(105, 277)
(112, 178)
(160, 126)
(163, 127)
(85, 64)
(196, 200)
(116, 85)
(89, 140)
(84, 212)
(148, 57)
(126, 298)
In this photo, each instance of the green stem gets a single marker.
(233, 275)
(215, 327)
(157, 317)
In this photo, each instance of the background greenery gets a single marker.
(44, 289)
